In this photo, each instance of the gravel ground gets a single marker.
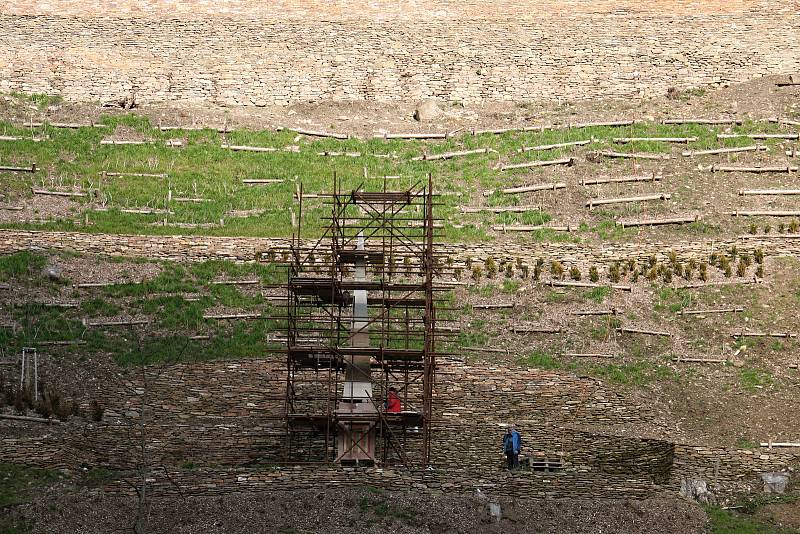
(359, 510)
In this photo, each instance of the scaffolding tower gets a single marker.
(361, 321)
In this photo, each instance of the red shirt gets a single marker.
(393, 403)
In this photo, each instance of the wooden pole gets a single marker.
(597, 181)
(603, 201)
(752, 148)
(633, 155)
(545, 163)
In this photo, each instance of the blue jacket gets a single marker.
(515, 439)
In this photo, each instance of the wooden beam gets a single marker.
(19, 138)
(235, 282)
(534, 330)
(540, 148)
(643, 178)
(720, 168)
(711, 310)
(135, 174)
(759, 136)
(314, 133)
(543, 163)
(531, 228)
(532, 188)
(69, 125)
(625, 140)
(698, 360)
(588, 355)
(769, 191)
(621, 200)
(765, 213)
(764, 334)
(10, 168)
(492, 306)
(789, 122)
(701, 121)
(601, 124)
(258, 181)
(633, 155)
(132, 322)
(656, 222)
(57, 193)
(752, 148)
(612, 311)
(245, 148)
(626, 330)
(233, 316)
(448, 155)
(564, 283)
(411, 136)
(498, 209)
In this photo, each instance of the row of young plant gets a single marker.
(629, 270)
(51, 403)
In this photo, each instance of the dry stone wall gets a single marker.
(249, 249)
(245, 56)
(208, 423)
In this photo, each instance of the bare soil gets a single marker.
(361, 510)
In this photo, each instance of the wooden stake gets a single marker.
(603, 201)
(633, 155)
(546, 163)
(752, 148)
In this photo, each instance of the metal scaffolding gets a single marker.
(361, 320)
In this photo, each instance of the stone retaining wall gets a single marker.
(228, 414)
(248, 249)
(562, 50)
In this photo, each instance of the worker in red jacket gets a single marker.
(392, 401)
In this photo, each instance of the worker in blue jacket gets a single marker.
(512, 443)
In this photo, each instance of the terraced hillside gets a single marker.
(647, 290)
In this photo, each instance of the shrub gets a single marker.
(96, 410)
(667, 276)
(557, 270)
(537, 272)
(476, 272)
(574, 273)
(794, 226)
(509, 272)
(613, 273)
(760, 271)
(524, 271)
(767, 228)
(594, 276)
(753, 229)
(491, 267)
(741, 269)
(758, 254)
(703, 272)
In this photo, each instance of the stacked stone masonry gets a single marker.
(227, 414)
(249, 249)
(280, 53)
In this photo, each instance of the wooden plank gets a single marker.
(11, 168)
(628, 330)
(62, 343)
(564, 283)
(769, 192)
(588, 355)
(449, 155)
(134, 174)
(765, 213)
(612, 311)
(531, 228)
(701, 121)
(711, 310)
(233, 316)
(195, 128)
(751, 148)
(620, 200)
(540, 148)
(57, 193)
(30, 419)
(656, 222)
(601, 124)
(780, 444)
(235, 282)
(543, 163)
(779, 120)
(534, 330)
(176, 143)
(191, 200)
(12, 208)
(764, 334)
(254, 181)
(633, 155)
(625, 140)
(132, 322)
(759, 136)
(597, 181)
(67, 125)
(531, 188)
(337, 154)
(245, 148)
(698, 360)
(19, 138)
(492, 306)
(498, 209)
(411, 136)
(315, 133)
(720, 168)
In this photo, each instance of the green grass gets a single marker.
(540, 360)
(21, 265)
(597, 294)
(633, 374)
(751, 378)
(731, 522)
(203, 169)
(18, 481)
